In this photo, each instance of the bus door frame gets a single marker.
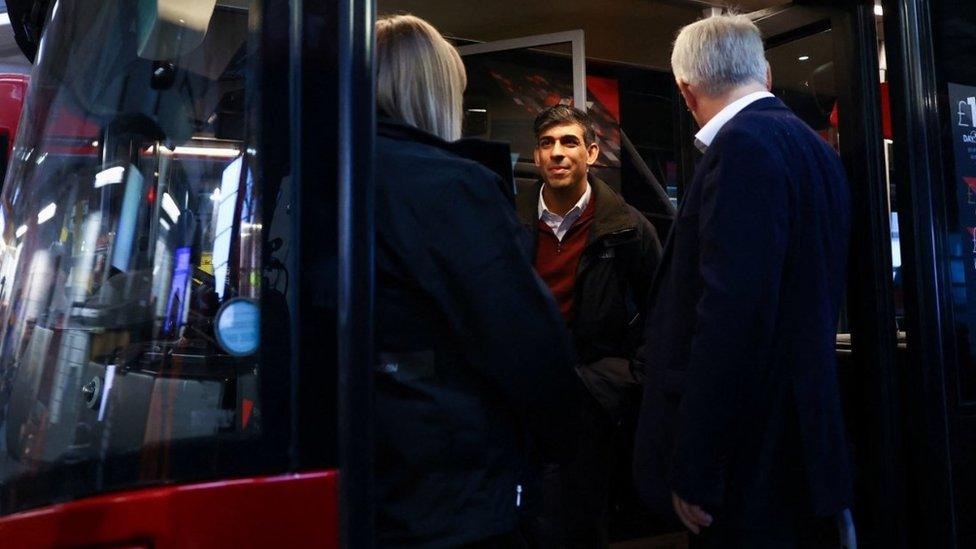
(331, 101)
(932, 411)
(869, 382)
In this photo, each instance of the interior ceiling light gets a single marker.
(217, 152)
(213, 152)
(170, 207)
(803, 58)
(110, 176)
(21, 231)
(878, 10)
(46, 213)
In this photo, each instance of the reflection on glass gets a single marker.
(128, 219)
(805, 79)
(962, 223)
(507, 89)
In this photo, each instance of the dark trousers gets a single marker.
(510, 540)
(812, 534)
(567, 506)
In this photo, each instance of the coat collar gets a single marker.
(707, 132)
(611, 214)
(769, 103)
(766, 104)
(388, 127)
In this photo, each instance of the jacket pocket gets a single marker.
(610, 381)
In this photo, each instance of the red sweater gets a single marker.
(557, 262)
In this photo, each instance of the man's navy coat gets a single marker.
(741, 411)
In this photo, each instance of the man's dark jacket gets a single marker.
(615, 271)
(472, 350)
(741, 412)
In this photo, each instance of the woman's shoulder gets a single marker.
(431, 164)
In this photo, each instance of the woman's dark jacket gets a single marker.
(609, 296)
(471, 349)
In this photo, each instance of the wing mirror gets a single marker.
(171, 28)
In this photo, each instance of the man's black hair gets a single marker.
(564, 114)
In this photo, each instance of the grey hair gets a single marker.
(420, 78)
(719, 53)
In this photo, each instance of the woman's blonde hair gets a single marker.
(420, 78)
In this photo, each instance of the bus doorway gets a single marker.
(825, 64)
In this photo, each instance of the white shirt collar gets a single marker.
(708, 132)
(560, 225)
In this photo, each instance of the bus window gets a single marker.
(130, 262)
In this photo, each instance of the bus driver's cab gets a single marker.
(132, 247)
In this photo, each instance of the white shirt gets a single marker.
(560, 225)
(708, 132)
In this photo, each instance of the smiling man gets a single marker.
(597, 255)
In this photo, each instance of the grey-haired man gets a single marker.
(741, 433)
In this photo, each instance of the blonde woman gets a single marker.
(472, 352)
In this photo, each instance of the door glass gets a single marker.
(508, 88)
(955, 38)
(130, 256)
(804, 78)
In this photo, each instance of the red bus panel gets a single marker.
(283, 511)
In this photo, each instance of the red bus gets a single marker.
(186, 248)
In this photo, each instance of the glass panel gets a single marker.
(507, 89)
(954, 37)
(953, 22)
(804, 78)
(130, 256)
(963, 238)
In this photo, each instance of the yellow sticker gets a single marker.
(206, 262)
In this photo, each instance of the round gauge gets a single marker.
(237, 326)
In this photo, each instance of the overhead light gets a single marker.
(217, 152)
(170, 207)
(216, 195)
(4, 19)
(164, 224)
(21, 231)
(477, 110)
(214, 152)
(110, 176)
(46, 213)
(803, 58)
(878, 10)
